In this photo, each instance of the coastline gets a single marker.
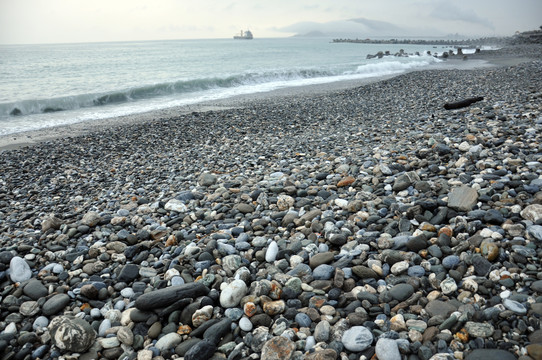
(14, 141)
(316, 224)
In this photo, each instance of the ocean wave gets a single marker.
(368, 69)
(385, 67)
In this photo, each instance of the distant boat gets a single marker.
(246, 35)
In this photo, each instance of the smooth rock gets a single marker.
(168, 341)
(164, 297)
(515, 306)
(357, 338)
(202, 350)
(272, 251)
(440, 308)
(207, 179)
(232, 293)
(401, 292)
(19, 270)
(72, 334)
(387, 349)
(176, 205)
(55, 304)
(35, 290)
(490, 354)
(245, 324)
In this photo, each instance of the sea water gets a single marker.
(48, 85)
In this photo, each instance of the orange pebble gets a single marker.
(462, 335)
(446, 230)
(184, 330)
(250, 309)
(346, 181)
(172, 240)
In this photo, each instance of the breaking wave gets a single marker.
(292, 77)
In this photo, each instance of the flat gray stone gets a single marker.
(535, 232)
(357, 338)
(440, 308)
(401, 292)
(207, 179)
(462, 198)
(387, 349)
(490, 354)
(481, 330)
(55, 304)
(35, 290)
(405, 180)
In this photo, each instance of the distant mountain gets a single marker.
(358, 28)
(312, 34)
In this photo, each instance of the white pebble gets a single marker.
(272, 251)
(245, 324)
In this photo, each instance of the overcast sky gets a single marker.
(60, 21)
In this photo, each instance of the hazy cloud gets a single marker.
(359, 27)
(448, 11)
(39, 21)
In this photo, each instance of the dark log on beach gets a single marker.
(462, 103)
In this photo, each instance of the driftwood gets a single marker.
(462, 103)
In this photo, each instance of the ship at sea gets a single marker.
(244, 35)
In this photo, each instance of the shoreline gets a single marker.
(29, 138)
(365, 222)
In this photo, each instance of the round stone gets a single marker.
(104, 326)
(323, 272)
(450, 261)
(245, 324)
(40, 322)
(322, 331)
(19, 270)
(357, 338)
(401, 292)
(72, 334)
(489, 250)
(416, 271)
(303, 320)
(485, 354)
(537, 286)
(232, 293)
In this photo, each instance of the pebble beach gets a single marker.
(366, 222)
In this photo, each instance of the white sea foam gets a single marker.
(127, 78)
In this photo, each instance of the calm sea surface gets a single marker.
(48, 85)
